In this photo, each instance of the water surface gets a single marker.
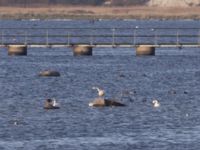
(172, 77)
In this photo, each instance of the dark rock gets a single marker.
(49, 73)
(101, 102)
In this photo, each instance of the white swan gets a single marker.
(156, 103)
(101, 92)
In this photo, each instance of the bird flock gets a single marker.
(101, 93)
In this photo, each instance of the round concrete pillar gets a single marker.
(145, 50)
(17, 50)
(82, 50)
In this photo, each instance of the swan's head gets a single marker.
(49, 100)
(155, 101)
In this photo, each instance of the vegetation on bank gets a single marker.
(90, 12)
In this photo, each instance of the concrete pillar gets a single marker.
(17, 50)
(82, 50)
(145, 50)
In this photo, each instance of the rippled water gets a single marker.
(172, 77)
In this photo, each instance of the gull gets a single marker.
(101, 92)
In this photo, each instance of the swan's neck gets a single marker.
(54, 102)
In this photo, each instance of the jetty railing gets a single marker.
(100, 37)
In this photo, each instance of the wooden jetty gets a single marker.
(83, 40)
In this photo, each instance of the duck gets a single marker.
(51, 104)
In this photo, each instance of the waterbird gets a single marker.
(15, 123)
(101, 92)
(172, 92)
(155, 103)
(51, 104)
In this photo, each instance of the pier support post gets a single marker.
(82, 50)
(145, 50)
(17, 50)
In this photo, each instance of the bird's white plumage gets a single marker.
(91, 104)
(156, 103)
(55, 104)
(101, 92)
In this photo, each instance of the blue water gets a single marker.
(172, 77)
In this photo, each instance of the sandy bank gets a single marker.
(88, 12)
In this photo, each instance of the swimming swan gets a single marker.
(156, 103)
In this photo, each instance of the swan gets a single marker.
(101, 92)
(156, 103)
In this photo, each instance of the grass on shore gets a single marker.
(89, 12)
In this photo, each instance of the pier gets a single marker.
(83, 40)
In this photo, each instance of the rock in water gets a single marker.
(101, 102)
(49, 73)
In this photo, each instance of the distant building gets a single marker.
(174, 3)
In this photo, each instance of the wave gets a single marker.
(70, 141)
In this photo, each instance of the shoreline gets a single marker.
(89, 12)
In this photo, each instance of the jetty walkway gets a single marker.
(83, 40)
